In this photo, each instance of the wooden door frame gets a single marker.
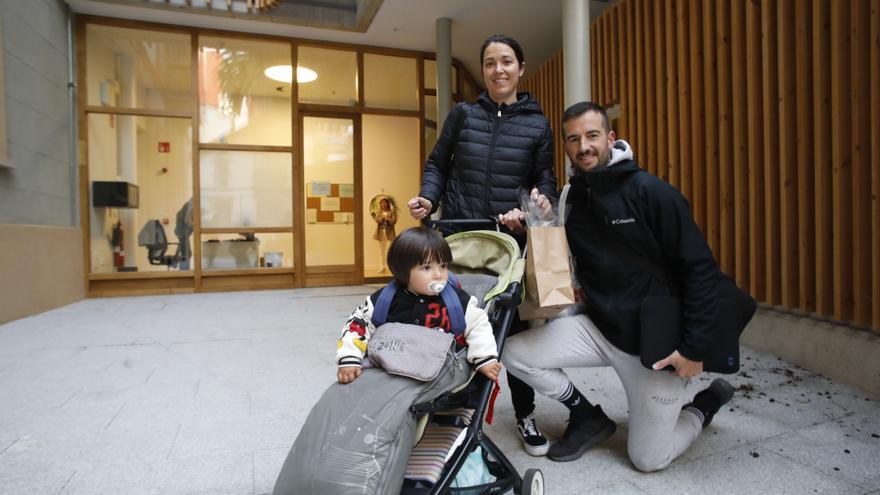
(332, 274)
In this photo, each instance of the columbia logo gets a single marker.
(619, 221)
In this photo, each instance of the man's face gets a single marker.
(587, 144)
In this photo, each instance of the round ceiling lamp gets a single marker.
(283, 73)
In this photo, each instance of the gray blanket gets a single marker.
(358, 437)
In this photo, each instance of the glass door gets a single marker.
(332, 200)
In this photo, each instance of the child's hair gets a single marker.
(413, 247)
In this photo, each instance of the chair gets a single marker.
(152, 236)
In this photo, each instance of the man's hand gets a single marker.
(541, 202)
(684, 367)
(348, 374)
(419, 207)
(491, 371)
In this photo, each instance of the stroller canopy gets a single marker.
(487, 253)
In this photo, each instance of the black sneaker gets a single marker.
(534, 442)
(708, 401)
(580, 435)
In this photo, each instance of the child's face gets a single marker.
(423, 276)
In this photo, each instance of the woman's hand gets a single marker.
(515, 219)
(348, 374)
(491, 370)
(684, 367)
(419, 207)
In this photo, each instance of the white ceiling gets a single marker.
(406, 24)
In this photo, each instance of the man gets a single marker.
(622, 220)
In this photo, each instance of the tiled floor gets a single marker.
(205, 393)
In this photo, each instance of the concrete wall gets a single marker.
(41, 258)
(839, 352)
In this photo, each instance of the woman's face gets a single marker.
(501, 72)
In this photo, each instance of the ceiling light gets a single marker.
(283, 73)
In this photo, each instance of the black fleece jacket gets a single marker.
(622, 209)
(485, 153)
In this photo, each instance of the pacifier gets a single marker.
(436, 286)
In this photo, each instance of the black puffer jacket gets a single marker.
(619, 213)
(485, 153)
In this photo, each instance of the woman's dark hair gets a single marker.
(412, 248)
(507, 40)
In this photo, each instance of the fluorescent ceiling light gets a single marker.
(283, 73)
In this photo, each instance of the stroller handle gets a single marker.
(489, 222)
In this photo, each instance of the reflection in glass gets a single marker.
(154, 154)
(137, 68)
(247, 250)
(431, 130)
(390, 82)
(336, 83)
(431, 110)
(431, 75)
(246, 189)
(430, 141)
(469, 91)
(328, 158)
(238, 102)
(391, 169)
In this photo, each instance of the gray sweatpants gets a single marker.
(659, 431)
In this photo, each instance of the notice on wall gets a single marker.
(318, 189)
(346, 190)
(331, 204)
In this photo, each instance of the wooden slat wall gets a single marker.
(841, 156)
(775, 142)
(822, 157)
(710, 146)
(738, 241)
(787, 153)
(874, 63)
(755, 154)
(546, 85)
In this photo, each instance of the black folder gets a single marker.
(662, 331)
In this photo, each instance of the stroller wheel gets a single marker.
(533, 482)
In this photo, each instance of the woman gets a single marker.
(486, 152)
(489, 149)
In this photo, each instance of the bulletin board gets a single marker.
(329, 202)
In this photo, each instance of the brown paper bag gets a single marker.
(548, 274)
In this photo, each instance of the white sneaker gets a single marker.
(533, 440)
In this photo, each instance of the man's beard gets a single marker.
(603, 161)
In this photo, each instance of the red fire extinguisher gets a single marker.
(116, 240)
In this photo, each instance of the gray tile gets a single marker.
(207, 473)
(747, 469)
(616, 488)
(267, 465)
(205, 393)
(842, 448)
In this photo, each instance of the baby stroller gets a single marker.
(489, 267)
